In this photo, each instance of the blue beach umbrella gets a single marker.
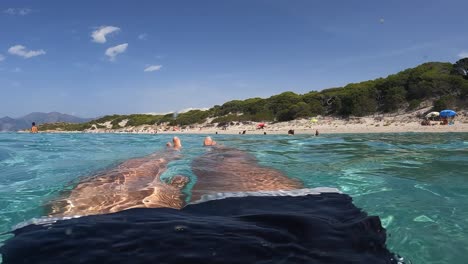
(447, 113)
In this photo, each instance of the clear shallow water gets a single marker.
(416, 183)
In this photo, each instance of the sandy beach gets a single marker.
(324, 125)
(396, 123)
(333, 127)
(330, 127)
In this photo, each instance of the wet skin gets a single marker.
(137, 182)
(133, 183)
(223, 169)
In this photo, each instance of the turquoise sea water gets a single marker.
(416, 183)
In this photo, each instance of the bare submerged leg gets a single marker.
(133, 183)
(225, 169)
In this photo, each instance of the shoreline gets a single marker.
(282, 129)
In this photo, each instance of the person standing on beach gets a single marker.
(316, 133)
(34, 128)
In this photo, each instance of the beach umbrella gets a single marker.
(447, 113)
(314, 120)
(432, 114)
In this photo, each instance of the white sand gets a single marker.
(407, 122)
(324, 126)
(332, 127)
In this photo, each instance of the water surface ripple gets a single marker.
(416, 183)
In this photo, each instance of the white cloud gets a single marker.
(143, 36)
(112, 52)
(99, 35)
(17, 11)
(2, 58)
(24, 11)
(21, 50)
(10, 11)
(153, 68)
(463, 54)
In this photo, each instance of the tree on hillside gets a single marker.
(314, 100)
(395, 97)
(191, 117)
(445, 84)
(445, 102)
(233, 106)
(282, 102)
(253, 105)
(300, 110)
(461, 67)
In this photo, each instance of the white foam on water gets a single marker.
(383, 189)
(42, 221)
(298, 192)
(422, 187)
(386, 221)
(424, 219)
(15, 160)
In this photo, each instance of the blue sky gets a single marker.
(201, 53)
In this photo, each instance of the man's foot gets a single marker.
(179, 181)
(209, 142)
(177, 143)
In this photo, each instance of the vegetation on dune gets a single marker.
(445, 84)
(461, 68)
(439, 82)
(191, 117)
(64, 126)
(138, 120)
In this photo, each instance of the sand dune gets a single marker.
(408, 122)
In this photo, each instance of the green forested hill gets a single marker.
(445, 84)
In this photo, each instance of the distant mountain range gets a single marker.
(15, 124)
